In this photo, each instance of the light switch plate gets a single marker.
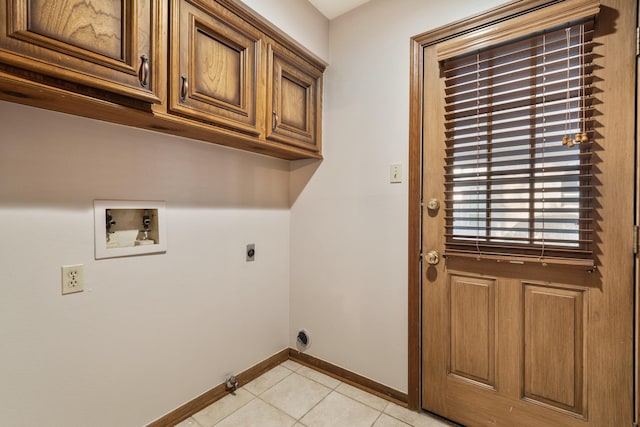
(395, 173)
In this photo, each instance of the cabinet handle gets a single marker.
(184, 87)
(143, 73)
(275, 120)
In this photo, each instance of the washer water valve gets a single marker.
(231, 384)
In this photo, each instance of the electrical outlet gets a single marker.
(72, 279)
(251, 252)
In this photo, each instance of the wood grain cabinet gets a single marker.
(212, 70)
(103, 44)
(294, 100)
(215, 64)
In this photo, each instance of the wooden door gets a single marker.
(109, 45)
(294, 97)
(215, 63)
(510, 343)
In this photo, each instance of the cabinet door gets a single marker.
(295, 99)
(214, 66)
(104, 44)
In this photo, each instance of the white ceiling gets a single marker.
(334, 8)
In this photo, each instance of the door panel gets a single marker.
(527, 343)
(554, 324)
(94, 29)
(472, 314)
(294, 112)
(219, 63)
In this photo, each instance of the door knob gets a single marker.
(432, 257)
(433, 204)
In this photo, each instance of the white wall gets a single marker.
(150, 332)
(298, 19)
(348, 224)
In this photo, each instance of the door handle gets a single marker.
(432, 257)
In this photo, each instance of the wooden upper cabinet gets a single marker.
(294, 99)
(215, 64)
(105, 44)
(212, 70)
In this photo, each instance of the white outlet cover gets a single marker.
(72, 279)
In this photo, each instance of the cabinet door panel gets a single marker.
(95, 28)
(104, 44)
(218, 71)
(295, 108)
(295, 98)
(214, 67)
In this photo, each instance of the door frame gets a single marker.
(417, 44)
(636, 284)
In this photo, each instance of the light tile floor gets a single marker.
(294, 395)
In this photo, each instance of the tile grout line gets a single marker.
(299, 420)
(331, 390)
(279, 410)
(236, 410)
(365, 404)
(296, 370)
(274, 384)
(318, 382)
(313, 407)
(255, 396)
(397, 419)
(376, 420)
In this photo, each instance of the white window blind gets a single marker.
(519, 136)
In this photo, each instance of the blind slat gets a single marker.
(520, 122)
(482, 146)
(515, 64)
(535, 173)
(549, 108)
(491, 85)
(554, 40)
(526, 101)
(554, 153)
(518, 210)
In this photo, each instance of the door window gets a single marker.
(519, 128)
